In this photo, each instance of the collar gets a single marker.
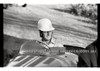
(51, 44)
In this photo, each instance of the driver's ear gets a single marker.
(52, 33)
(41, 34)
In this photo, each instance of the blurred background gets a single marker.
(75, 24)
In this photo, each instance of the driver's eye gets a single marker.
(47, 33)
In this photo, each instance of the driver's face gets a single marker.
(46, 35)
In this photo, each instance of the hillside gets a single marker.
(22, 23)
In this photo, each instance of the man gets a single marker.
(46, 29)
(46, 33)
(47, 47)
(89, 59)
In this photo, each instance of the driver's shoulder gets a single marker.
(58, 43)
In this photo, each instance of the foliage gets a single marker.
(85, 10)
(9, 55)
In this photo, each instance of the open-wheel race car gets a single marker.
(32, 54)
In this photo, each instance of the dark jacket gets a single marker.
(89, 59)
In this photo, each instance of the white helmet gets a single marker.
(45, 25)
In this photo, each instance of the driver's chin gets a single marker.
(47, 39)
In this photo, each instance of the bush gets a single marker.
(85, 10)
(89, 10)
(9, 55)
(5, 6)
